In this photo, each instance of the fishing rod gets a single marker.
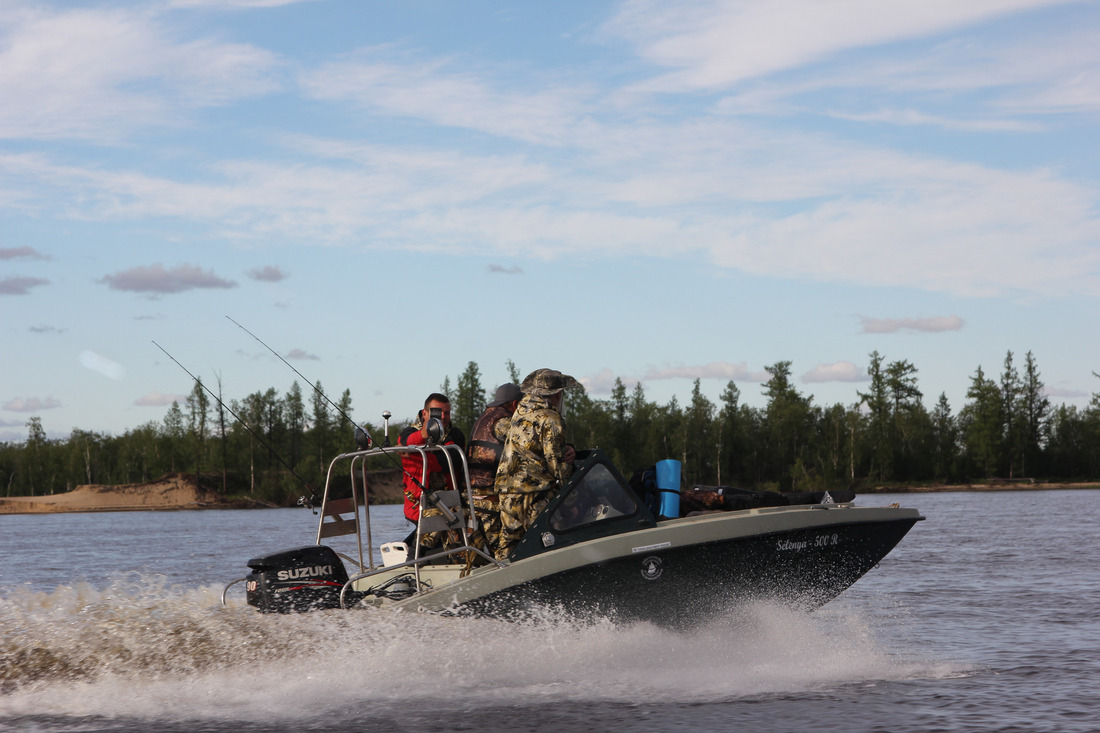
(362, 438)
(301, 502)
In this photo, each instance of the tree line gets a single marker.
(267, 445)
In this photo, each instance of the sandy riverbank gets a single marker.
(171, 492)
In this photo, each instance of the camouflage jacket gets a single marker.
(532, 458)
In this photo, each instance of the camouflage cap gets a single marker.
(546, 382)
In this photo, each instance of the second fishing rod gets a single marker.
(363, 439)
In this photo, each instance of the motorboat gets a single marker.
(602, 547)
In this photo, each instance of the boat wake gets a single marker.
(144, 651)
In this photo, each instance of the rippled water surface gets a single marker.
(984, 618)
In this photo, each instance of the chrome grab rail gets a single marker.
(456, 467)
(226, 588)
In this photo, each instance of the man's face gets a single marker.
(445, 407)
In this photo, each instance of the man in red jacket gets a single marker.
(437, 477)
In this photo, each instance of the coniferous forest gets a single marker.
(267, 445)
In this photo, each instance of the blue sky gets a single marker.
(383, 192)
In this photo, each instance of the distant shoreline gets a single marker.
(1002, 485)
(181, 492)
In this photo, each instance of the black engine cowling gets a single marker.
(300, 579)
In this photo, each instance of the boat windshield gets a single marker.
(596, 497)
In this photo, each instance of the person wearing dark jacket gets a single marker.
(482, 457)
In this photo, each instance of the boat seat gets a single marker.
(439, 523)
(333, 523)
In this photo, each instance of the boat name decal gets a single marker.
(317, 571)
(824, 540)
(647, 548)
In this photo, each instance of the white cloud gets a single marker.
(603, 179)
(715, 45)
(95, 73)
(430, 90)
(14, 253)
(841, 371)
(850, 213)
(936, 226)
(158, 279)
(912, 118)
(101, 364)
(31, 404)
(973, 82)
(18, 285)
(159, 399)
(714, 370)
(1064, 392)
(602, 382)
(934, 324)
(243, 4)
(267, 273)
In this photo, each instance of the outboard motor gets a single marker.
(291, 581)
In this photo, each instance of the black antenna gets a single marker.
(360, 431)
(198, 381)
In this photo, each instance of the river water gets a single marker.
(985, 617)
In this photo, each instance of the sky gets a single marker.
(383, 192)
